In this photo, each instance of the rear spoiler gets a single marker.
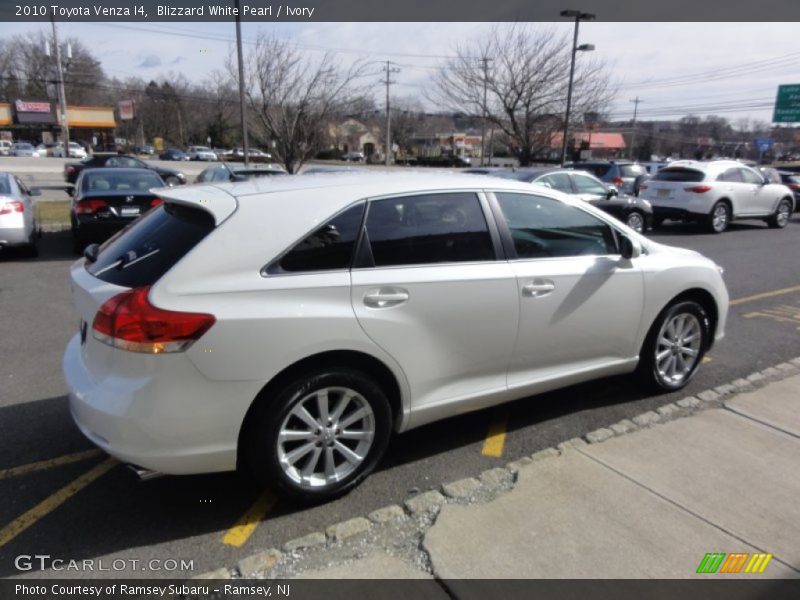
(218, 203)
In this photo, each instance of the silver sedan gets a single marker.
(17, 218)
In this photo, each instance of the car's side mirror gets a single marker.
(629, 248)
(611, 192)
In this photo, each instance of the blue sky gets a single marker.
(730, 69)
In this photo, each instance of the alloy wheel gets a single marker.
(325, 437)
(678, 348)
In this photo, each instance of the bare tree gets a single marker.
(292, 97)
(526, 86)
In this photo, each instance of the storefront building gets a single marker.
(37, 121)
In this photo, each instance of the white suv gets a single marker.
(715, 193)
(290, 325)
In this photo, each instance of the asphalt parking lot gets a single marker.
(65, 500)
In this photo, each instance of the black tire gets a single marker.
(263, 455)
(658, 222)
(31, 250)
(783, 213)
(648, 371)
(635, 219)
(717, 222)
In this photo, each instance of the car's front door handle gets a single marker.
(385, 297)
(538, 288)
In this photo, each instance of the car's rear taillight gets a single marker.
(128, 321)
(617, 181)
(11, 206)
(156, 202)
(698, 189)
(794, 186)
(90, 207)
(70, 169)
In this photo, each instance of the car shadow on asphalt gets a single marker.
(681, 228)
(52, 246)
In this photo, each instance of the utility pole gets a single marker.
(636, 102)
(578, 16)
(62, 97)
(388, 82)
(485, 61)
(245, 144)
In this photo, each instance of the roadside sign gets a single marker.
(787, 104)
(764, 144)
(125, 110)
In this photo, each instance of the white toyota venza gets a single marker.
(291, 325)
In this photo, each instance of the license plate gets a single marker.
(663, 193)
(129, 211)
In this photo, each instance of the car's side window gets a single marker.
(749, 176)
(329, 247)
(543, 227)
(587, 185)
(427, 229)
(731, 175)
(557, 181)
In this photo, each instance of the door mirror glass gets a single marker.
(611, 192)
(629, 248)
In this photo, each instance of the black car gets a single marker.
(120, 161)
(238, 172)
(626, 175)
(106, 200)
(635, 212)
(792, 181)
(173, 154)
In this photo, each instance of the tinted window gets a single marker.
(679, 174)
(543, 227)
(588, 185)
(124, 161)
(329, 247)
(142, 252)
(433, 228)
(557, 181)
(102, 181)
(631, 170)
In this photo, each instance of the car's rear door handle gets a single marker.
(385, 297)
(537, 288)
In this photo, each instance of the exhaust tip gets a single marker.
(143, 474)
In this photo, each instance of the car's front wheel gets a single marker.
(780, 219)
(320, 436)
(674, 346)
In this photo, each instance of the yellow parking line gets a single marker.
(46, 506)
(707, 359)
(246, 525)
(48, 464)
(771, 294)
(495, 437)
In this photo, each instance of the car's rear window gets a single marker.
(679, 174)
(112, 180)
(594, 169)
(631, 170)
(143, 252)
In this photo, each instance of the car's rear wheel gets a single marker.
(674, 347)
(321, 435)
(783, 213)
(635, 220)
(720, 217)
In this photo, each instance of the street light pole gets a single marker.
(62, 97)
(578, 16)
(245, 145)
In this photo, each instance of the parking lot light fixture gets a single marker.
(578, 16)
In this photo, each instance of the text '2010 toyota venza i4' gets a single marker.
(291, 325)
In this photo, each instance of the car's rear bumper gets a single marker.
(157, 412)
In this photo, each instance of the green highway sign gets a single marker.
(787, 104)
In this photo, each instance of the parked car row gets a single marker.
(102, 159)
(213, 154)
(26, 149)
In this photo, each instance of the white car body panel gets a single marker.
(17, 229)
(465, 339)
